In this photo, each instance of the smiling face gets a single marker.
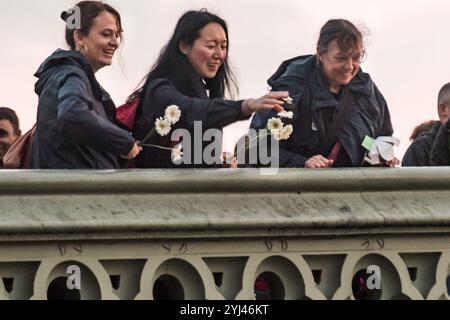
(339, 66)
(101, 42)
(208, 52)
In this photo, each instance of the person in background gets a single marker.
(76, 117)
(419, 152)
(335, 104)
(440, 152)
(422, 128)
(192, 73)
(9, 130)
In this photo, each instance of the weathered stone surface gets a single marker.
(211, 234)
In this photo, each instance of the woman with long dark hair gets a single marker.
(193, 73)
(76, 118)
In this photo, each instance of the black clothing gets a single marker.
(76, 118)
(440, 153)
(192, 99)
(419, 152)
(314, 108)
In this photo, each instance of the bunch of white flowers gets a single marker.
(171, 117)
(163, 126)
(278, 130)
(275, 127)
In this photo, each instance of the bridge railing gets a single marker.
(225, 234)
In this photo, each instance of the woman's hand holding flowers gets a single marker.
(272, 100)
(134, 151)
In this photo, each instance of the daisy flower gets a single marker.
(286, 132)
(274, 124)
(286, 114)
(162, 127)
(277, 134)
(177, 153)
(288, 100)
(173, 114)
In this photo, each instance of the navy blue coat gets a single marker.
(76, 118)
(304, 80)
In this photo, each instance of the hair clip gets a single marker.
(64, 16)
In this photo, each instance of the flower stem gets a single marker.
(246, 148)
(149, 134)
(155, 146)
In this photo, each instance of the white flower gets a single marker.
(162, 127)
(173, 114)
(276, 134)
(274, 124)
(288, 100)
(282, 134)
(286, 132)
(286, 114)
(177, 153)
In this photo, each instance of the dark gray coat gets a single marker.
(440, 153)
(76, 118)
(419, 152)
(304, 80)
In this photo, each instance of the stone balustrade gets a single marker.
(225, 234)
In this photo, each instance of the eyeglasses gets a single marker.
(356, 59)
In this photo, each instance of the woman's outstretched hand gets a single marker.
(272, 100)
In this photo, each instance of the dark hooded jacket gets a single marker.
(314, 108)
(440, 153)
(191, 96)
(419, 152)
(75, 119)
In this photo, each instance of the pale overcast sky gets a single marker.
(408, 48)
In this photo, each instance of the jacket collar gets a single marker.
(61, 58)
(361, 84)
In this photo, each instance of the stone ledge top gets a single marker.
(222, 203)
(222, 181)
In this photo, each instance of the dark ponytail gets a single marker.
(88, 11)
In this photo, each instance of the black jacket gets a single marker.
(308, 88)
(76, 118)
(193, 101)
(419, 152)
(440, 153)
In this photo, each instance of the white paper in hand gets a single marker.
(383, 148)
